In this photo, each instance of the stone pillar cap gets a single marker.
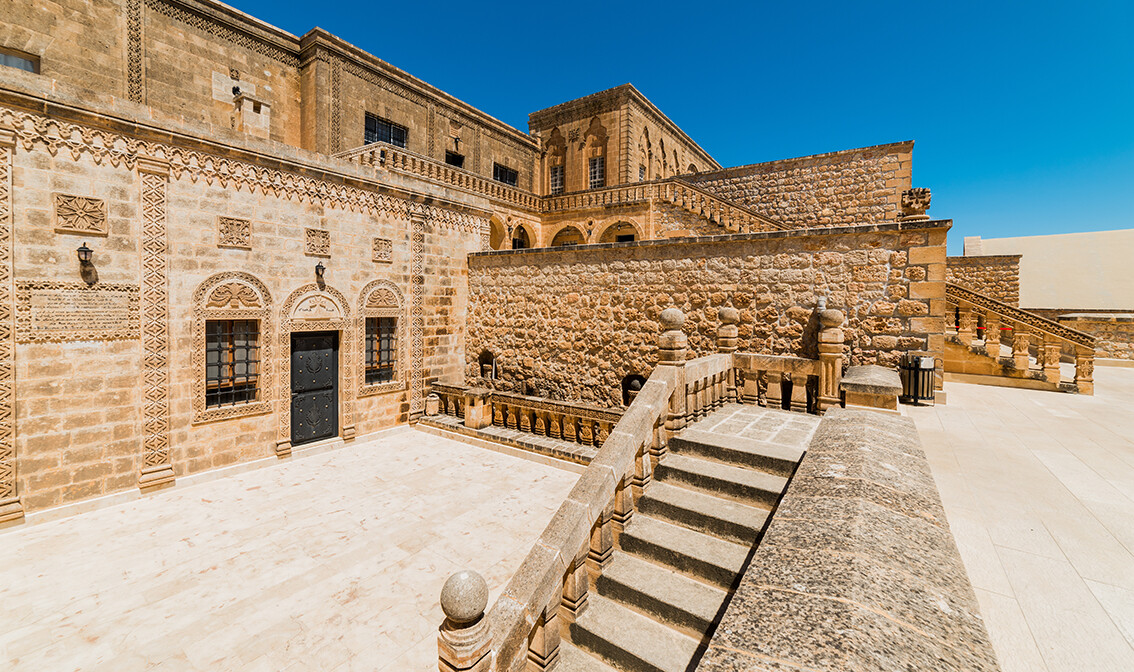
(464, 596)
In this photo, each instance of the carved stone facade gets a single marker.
(234, 232)
(80, 214)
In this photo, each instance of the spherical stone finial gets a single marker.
(831, 317)
(464, 596)
(728, 315)
(671, 318)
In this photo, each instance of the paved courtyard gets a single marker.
(329, 562)
(1039, 491)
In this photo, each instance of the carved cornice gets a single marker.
(956, 294)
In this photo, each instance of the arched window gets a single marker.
(556, 163)
(382, 322)
(487, 365)
(568, 235)
(232, 342)
(520, 238)
(619, 232)
(631, 386)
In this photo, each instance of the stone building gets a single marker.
(220, 241)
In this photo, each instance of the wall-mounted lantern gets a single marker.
(86, 269)
(320, 269)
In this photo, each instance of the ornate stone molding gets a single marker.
(10, 506)
(107, 312)
(135, 62)
(381, 298)
(317, 242)
(80, 214)
(234, 232)
(417, 316)
(914, 204)
(232, 295)
(157, 469)
(383, 250)
(956, 293)
(222, 32)
(33, 130)
(315, 308)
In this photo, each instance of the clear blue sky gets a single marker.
(1023, 112)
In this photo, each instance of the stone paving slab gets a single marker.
(332, 562)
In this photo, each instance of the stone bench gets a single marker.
(871, 387)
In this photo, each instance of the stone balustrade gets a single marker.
(981, 321)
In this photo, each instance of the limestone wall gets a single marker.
(572, 323)
(856, 186)
(1113, 332)
(997, 276)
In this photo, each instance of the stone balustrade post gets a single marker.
(727, 337)
(773, 393)
(749, 388)
(992, 335)
(478, 408)
(1021, 340)
(1084, 370)
(464, 640)
(543, 648)
(799, 393)
(672, 344)
(433, 404)
(624, 496)
(643, 472)
(576, 586)
(965, 326)
(658, 447)
(830, 358)
(1050, 353)
(602, 542)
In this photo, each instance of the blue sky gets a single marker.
(1023, 113)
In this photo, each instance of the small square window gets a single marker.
(598, 172)
(556, 180)
(19, 60)
(505, 174)
(384, 130)
(641, 173)
(455, 159)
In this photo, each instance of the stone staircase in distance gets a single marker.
(657, 602)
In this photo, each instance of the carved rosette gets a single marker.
(317, 242)
(10, 506)
(234, 232)
(232, 296)
(383, 250)
(80, 214)
(381, 298)
(315, 308)
(156, 467)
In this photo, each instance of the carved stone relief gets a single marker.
(49, 311)
(383, 250)
(381, 298)
(233, 232)
(10, 506)
(317, 242)
(80, 214)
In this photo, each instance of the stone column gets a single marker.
(11, 508)
(672, 345)
(464, 641)
(965, 326)
(478, 409)
(726, 345)
(773, 393)
(157, 470)
(830, 357)
(1049, 356)
(1020, 342)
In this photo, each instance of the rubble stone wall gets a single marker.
(1114, 333)
(572, 323)
(996, 276)
(857, 186)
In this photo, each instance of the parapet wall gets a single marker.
(572, 323)
(855, 186)
(1113, 332)
(858, 570)
(996, 276)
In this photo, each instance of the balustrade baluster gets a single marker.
(992, 335)
(1049, 356)
(965, 326)
(513, 421)
(576, 586)
(624, 497)
(774, 392)
(543, 647)
(602, 542)
(1084, 370)
(1021, 341)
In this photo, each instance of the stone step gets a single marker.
(662, 593)
(629, 641)
(745, 485)
(725, 518)
(574, 659)
(694, 553)
(774, 458)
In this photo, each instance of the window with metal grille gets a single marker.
(232, 362)
(505, 174)
(19, 61)
(598, 172)
(384, 130)
(641, 173)
(381, 339)
(556, 180)
(455, 159)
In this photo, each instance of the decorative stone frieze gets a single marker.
(11, 507)
(80, 214)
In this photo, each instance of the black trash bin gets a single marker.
(917, 375)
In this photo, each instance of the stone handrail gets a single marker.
(976, 313)
(555, 578)
(389, 157)
(581, 423)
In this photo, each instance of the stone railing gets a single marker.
(694, 199)
(977, 318)
(521, 630)
(793, 383)
(385, 156)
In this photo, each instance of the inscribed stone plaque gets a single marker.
(74, 311)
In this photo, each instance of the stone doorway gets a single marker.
(314, 386)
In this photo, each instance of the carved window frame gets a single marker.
(256, 305)
(398, 310)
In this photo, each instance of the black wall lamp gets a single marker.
(320, 269)
(86, 269)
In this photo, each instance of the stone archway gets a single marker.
(620, 232)
(522, 238)
(568, 235)
(496, 234)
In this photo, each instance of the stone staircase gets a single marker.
(657, 602)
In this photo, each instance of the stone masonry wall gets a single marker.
(1114, 333)
(572, 323)
(856, 186)
(997, 276)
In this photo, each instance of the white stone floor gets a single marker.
(1039, 491)
(330, 562)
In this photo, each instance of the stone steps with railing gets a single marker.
(981, 325)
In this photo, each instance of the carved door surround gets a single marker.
(316, 307)
(382, 298)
